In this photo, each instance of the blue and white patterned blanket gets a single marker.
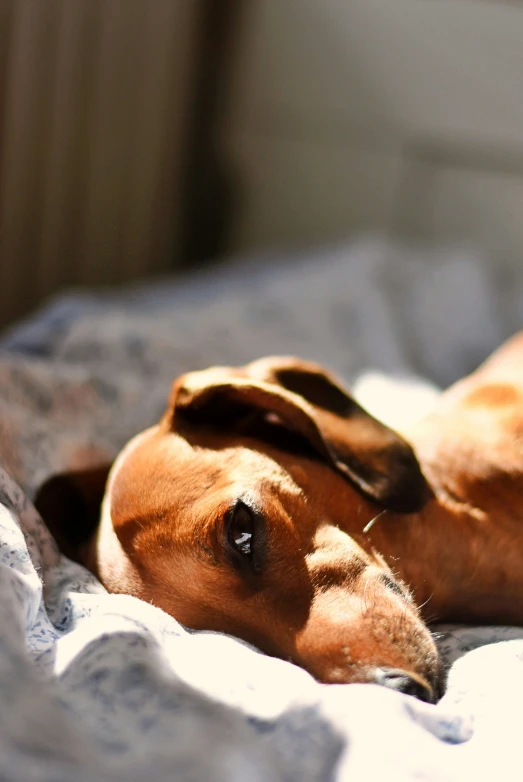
(105, 687)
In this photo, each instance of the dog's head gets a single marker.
(242, 512)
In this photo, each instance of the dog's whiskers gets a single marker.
(426, 601)
(371, 523)
(431, 618)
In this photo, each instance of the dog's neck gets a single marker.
(441, 575)
(461, 554)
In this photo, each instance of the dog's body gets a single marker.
(244, 510)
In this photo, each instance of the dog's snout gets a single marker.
(397, 679)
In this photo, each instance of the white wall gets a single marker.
(403, 115)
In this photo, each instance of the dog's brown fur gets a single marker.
(282, 436)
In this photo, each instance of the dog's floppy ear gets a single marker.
(311, 403)
(70, 503)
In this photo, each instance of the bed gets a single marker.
(106, 687)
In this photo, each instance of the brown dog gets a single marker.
(244, 511)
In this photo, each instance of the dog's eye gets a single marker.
(246, 543)
(240, 530)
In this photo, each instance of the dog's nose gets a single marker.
(396, 679)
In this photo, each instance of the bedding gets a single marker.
(99, 686)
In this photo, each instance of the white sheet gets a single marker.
(104, 687)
